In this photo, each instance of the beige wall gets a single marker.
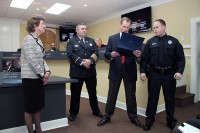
(177, 15)
(23, 33)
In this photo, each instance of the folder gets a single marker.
(129, 43)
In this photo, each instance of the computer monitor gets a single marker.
(141, 20)
(66, 33)
(11, 64)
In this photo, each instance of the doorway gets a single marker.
(195, 58)
(48, 38)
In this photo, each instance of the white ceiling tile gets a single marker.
(95, 10)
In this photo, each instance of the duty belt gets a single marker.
(162, 70)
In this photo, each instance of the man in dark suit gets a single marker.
(82, 52)
(121, 67)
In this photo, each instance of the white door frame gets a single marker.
(194, 80)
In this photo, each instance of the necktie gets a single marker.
(123, 59)
(82, 41)
(161, 52)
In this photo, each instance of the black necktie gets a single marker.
(161, 52)
(82, 41)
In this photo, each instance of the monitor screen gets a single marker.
(11, 64)
(141, 20)
(66, 33)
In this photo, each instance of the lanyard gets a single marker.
(36, 39)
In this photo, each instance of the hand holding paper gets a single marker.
(137, 53)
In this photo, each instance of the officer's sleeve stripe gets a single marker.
(77, 59)
(94, 57)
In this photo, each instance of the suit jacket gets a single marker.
(130, 67)
(77, 51)
(32, 58)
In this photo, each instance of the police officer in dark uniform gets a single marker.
(82, 52)
(163, 62)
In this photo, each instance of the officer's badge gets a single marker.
(153, 44)
(86, 41)
(170, 42)
(79, 41)
(90, 44)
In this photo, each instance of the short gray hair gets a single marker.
(79, 25)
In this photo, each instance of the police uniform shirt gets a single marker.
(172, 53)
(77, 51)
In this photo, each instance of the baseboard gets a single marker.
(48, 125)
(121, 105)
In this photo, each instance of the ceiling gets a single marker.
(77, 13)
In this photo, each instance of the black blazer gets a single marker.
(77, 51)
(115, 63)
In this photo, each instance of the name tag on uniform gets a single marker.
(76, 46)
(153, 44)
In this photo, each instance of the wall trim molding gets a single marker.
(186, 46)
(121, 105)
(188, 56)
(55, 26)
(10, 20)
(194, 80)
(48, 125)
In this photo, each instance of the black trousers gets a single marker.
(130, 89)
(168, 83)
(76, 88)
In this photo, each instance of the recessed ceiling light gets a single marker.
(57, 8)
(37, 9)
(85, 5)
(23, 4)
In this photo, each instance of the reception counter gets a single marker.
(12, 104)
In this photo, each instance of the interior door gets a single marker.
(48, 38)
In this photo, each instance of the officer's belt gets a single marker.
(162, 70)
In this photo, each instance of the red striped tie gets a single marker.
(123, 59)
